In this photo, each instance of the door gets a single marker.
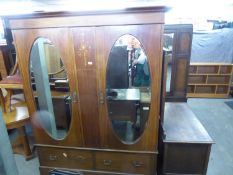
(56, 101)
(119, 116)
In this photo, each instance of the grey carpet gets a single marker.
(230, 104)
(217, 118)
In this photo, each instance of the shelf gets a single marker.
(212, 79)
(209, 80)
(226, 69)
(191, 89)
(207, 69)
(222, 89)
(205, 89)
(192, 70)
(200, 79)
(208, 95)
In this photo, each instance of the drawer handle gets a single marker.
(80, 158)
(52, 157)
(107, 162)
(137, 163)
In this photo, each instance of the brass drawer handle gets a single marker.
(107, 162)
(77, 158)
(137, 163)
(52, 157)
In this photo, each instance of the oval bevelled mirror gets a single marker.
(50, 86)
(128, 92)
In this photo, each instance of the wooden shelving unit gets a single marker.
(209, 80)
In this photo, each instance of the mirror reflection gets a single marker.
(128, 88)
(50, 86)
(168, 47)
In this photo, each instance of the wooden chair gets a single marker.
(15, 111)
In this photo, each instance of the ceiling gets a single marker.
(208, 9)
(13, 7)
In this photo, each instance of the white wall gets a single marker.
(197, 12)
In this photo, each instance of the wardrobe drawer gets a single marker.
(126, 162)
(65, 158)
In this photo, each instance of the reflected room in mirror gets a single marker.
(128, 88)
(50, 86)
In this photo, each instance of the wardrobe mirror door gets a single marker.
(168, 59)
(50, 86)
(128, 92)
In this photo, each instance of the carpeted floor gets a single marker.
(217, 117)
(230, 104)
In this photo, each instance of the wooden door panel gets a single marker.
(88, 96)
(150, 38)
(85, 59)
(60, 37)
(84, 47)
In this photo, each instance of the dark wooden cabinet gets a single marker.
(84, 41)
(185, 143)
